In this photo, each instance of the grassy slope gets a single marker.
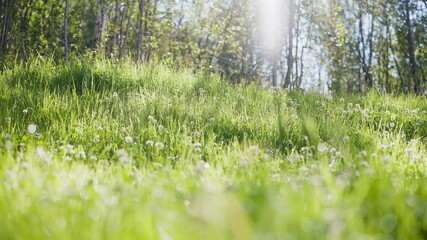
(236, 162)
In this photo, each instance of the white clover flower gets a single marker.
(32, 128)
(81, 154)
(128, 139)
(40, 152)
(115, 94)
(322, 147)
(96, 139)
(159, 145)
(149, 143)
(25, 111)
(363, 154)
(295, 157)
(197, 145)
(346, 138)
(151, 118)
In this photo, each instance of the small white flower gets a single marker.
(159, 145)
(363, 154)
(149, 143)
(115, 94)
(322, 147)
(32, 128)
(346, 138)
(96, 139)
(197, 145)
(151, 118)
(40, 152)
(128, 139)
(25, 111)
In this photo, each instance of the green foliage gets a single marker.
(137, 151)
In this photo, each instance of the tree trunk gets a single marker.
(274, 71)
(153, 16)
(6, 24)
(100, 26)
(116, 27)
(411, 48)
(290, 59)
(123, 47)
(67, 50)
(140, 33)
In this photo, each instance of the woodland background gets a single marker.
(326, 45)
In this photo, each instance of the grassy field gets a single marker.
(93, 150)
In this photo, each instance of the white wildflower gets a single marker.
(128, 139)
(322, 147)
(32, 128)
(159, 145)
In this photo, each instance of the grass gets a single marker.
(148, 152)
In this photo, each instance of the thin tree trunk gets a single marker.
(140, 33)
(25, 29)
(274, 71)
(67, 50)
(100, 24)
(290, 60)
(411, 49)
(6, 24)
(297, 27)
(123, 47)
(116, 26)
(153, 16)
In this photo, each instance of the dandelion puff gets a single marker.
(159, 145)
(363, 154)
(96, 139)
(322, 147)
(346, 138)
(197, 145)
(40, 152)
(128, 139)
(32, 128)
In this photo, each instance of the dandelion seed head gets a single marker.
(322, 147)
(96, 139)
(128, 139)
(32, 128)
(159, 145)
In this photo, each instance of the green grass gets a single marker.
(148, 152)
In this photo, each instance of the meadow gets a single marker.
(96, 150)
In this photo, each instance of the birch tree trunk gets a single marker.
(123, 47)
(411, 47)
(67, 50)
(290, 58)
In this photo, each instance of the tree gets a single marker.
(67, 50)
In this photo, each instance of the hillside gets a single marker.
(93, 150)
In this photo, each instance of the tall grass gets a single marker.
(123, 151)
